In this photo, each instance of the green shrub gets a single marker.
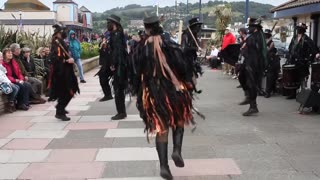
(89, 50)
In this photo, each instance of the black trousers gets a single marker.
(104, 83)
(272, 76)
(242, 77)
(119, 92)
(251, 83)
(214, 62)
(63, 101)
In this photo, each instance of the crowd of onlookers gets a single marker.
(25, 75)
(20, 78)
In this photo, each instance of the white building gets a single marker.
(33, 16)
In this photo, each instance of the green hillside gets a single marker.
(175, 13)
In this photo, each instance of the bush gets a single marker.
(89, 50)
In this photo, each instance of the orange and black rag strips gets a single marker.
(163, 97)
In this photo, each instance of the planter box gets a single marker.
(88, 64)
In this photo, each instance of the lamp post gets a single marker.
(20, 25)
(188, 7)
(247, 11)
(200, 10)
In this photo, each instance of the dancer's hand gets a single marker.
(70, 61)
(112, 68)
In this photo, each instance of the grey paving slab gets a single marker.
(260, 165)
(305, 162)
(132, 142)
(196, 152)
(130, 169)
(244, 138)
(300, 149)
(80, 143)
(128, 124)
(248, 151)
(79, 134)
(267, 175)
(197, 141)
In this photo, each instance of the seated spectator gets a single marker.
(10, 105)
(35, 95)
(30, 67)
(40, 53)
(15, 76)
(213, 59)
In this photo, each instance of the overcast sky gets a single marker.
(103, 5)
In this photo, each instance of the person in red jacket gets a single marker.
(228, 39)
(14, 74)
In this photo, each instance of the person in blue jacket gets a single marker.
(75, 49)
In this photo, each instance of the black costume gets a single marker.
(273, 66)
(302, 53)
(190, 49)
(63, 82)
(119, 63)
(163, 97)
(255, 60)
(105, 72)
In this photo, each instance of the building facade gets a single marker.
(301, 11)
(33, 16)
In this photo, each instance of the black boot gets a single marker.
(246, 100)
(252, 110)
(162, 149)
(177, 138)
(106, 98)
(119, 116)
(61, 114)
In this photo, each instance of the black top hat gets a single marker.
(151, 20)
(58, 28)
(114, 18)
(302, 25)
(254, 22)
(268, 31)
(194, 21)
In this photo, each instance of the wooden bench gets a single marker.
(3, 100)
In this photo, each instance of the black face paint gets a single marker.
(268, 36)
(110, 26)
(64, 35)
(251, 29)
(301, 30)
(196, 28)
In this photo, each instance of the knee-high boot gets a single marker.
(177, 137)
(162, 149)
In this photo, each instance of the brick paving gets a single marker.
(277, 144)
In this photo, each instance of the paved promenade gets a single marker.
(278, 144)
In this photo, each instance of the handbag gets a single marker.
(6, 88)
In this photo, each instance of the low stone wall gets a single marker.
(89, 64)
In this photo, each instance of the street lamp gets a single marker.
(20, 25)
(200, 10)
(247, 11)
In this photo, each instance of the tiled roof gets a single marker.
(64, 1)
(293, 4)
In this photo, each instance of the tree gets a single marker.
(223, 15)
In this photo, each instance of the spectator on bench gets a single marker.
(15, 76)
(213, 59)
(35, 96)
(10, 105)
